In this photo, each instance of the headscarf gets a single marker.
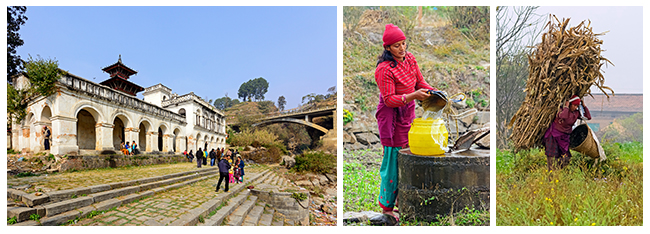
(575, 100)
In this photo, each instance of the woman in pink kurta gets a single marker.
(556, 138)
(400, 83)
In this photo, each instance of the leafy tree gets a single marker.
(224, 102)
(313, 98)
(259, 86)
(254, 88)
(42, 75)
(281, 102)
(15, 18)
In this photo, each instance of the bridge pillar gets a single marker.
(306, 118)
(336, 118)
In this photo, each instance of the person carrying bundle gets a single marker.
(556, 138)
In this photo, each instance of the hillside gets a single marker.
(452, 58)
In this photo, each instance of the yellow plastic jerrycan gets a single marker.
(428, 137)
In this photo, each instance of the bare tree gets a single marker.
(517, 30)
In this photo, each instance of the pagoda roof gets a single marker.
(119, 64)
(123, 85)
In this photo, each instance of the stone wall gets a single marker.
(363, 132)
(105, 161)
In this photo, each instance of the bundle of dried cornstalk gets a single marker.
(565, 63)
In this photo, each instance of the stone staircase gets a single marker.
(57, 207)
(246, 209)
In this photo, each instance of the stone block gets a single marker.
(123, 184)
(366, 138)
(60, 218)
(63, 206)
(32, 200)
(483, 117)
(15, 194)
(99, 188)
(82, 191)
(108, 204)
(21, 213)
(56, 196)
(102, 196)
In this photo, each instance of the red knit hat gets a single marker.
(575, 100)
(392, 34)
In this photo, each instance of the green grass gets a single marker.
(610, 193)
(360, 188)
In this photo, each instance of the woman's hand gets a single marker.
(419, 94)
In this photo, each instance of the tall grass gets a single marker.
(610, 193)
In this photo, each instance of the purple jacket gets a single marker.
(394, 123)
(224, 166)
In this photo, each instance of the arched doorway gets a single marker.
(176, 132)
(86, 133)
(198, 141)
(160, 139)
(142, 136)
(118, 133)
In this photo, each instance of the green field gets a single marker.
(608, 194)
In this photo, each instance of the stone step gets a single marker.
(56, 196)
(233, 203)
(277, 223)
(191, 218)
(60, 212)
(267, 217)
(237, 216)
(276, 180)
(254, 215)
(266, 180)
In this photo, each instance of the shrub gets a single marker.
(348, 116)
(315, 161)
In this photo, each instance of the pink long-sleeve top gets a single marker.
(565, 119)
(402, 79)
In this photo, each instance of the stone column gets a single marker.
(104, 136)
(132, 134)
(180, 144)
(25, 133)
(167, 143)
(15, 137)
(64, 135)
(152, 141)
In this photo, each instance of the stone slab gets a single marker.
(108, 204)
(99, 188)
(102, 196)
(32, 200)
(63, 206)
(15, 194)
(123, 184)
(57, 196)
(60, 218)
(21, 213)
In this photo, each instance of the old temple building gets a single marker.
(91, 118)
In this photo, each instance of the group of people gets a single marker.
(129, 149)
(227, 172)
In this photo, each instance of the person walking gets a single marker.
(224, 167)
(190, 156)
(557, 137)
(241, 168)
(199, 157)
(400, 83)
(205, 157)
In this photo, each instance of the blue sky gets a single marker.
(210, 51)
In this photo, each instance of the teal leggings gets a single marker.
(389, 178)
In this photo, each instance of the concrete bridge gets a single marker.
(303, 117)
